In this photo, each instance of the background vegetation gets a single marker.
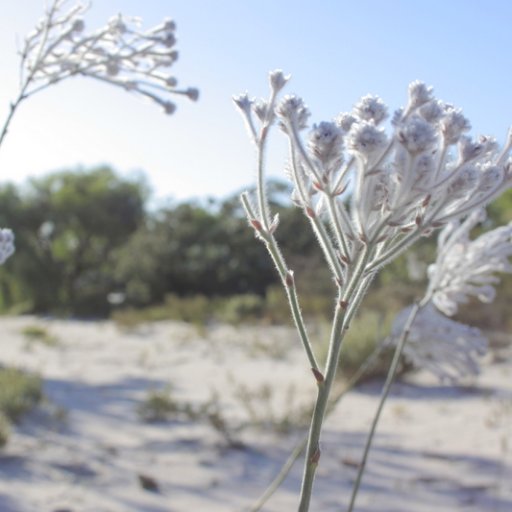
(88, 245)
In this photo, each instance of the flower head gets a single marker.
(365, 138)
(292, 110)
(466, 267)
(6, 244)
(371, 108)
(325, 143)
(448, 349)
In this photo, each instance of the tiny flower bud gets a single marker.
(419, 94)
(278, 80)
(371, 108)
(169, 107)
(192, 93)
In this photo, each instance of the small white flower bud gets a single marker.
(278, 80)
(371, 108)
(192, 93)
(244, 103)
(293, 110)
(432, 111)
(345, 121)
(325, 142)
(419, 94)
(169, 25)
(417, 135)
(366, 138)
(112, 67)
(171, 81)
(261, 110)
(6, 244)
(453, 125)
(169, 40)
(78, 26)
(169, 107)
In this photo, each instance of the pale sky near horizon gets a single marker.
(336, 51)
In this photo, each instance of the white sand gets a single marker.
(438, 448)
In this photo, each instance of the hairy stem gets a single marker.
(324, 387)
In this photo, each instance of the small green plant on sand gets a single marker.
(39, 334)
(20, 392)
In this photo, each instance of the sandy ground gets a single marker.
(438, 447)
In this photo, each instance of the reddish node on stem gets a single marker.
(315, 457)
(256, 224)
(343, 304)
(289, 279)
(310, 212)
(318, 375)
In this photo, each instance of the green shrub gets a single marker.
(242, 308)
(365, 332)
(37, 333)
(159, 405)
(4, 430)
(19, 393)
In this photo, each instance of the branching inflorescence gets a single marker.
(463, 268)
(119, 54)
(368, 194)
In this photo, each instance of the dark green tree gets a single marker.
(67, 225)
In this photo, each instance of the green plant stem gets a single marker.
(385, 392)
(301, 445)
(324, 387)
(275, 253)
(8, 120)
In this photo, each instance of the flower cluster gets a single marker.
(466, 267)
(6, 244)
(403, 183)
(440, 345)
(463, 268)
(118, 53)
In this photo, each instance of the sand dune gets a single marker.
(438, 447)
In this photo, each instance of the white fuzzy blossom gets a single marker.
(466, 267)
(404, 183)
(6, 244)
(371, 108)
(365, 139)
(463, 268)
(448, 349)
(119, 53)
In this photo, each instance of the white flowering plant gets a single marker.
(369, 194)
(120, 54)
(463, 268)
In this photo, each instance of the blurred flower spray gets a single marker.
(120, 54)
(401, 186)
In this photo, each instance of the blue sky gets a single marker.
(336, 51)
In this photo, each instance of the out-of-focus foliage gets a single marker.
(67, 225)
(84, 237)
